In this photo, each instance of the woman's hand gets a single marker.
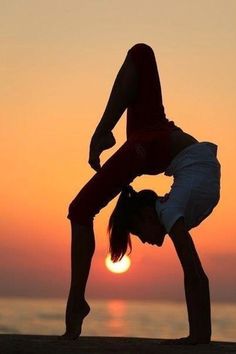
(99, 143)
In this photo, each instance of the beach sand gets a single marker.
(37, 344)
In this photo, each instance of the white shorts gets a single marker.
(196, 188)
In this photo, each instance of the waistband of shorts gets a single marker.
(192, 149)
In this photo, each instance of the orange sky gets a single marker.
(58, 63)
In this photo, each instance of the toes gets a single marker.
(68, 336)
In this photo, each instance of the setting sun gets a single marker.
(118, 267)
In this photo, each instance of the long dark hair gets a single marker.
(129, 203)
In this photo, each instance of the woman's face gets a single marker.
(146, 225)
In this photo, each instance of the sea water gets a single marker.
(151, 319)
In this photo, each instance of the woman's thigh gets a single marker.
(134, 158)
(120, 169)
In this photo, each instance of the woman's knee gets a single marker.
(79, 213)
(141, 48)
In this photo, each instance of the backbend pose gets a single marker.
(152, 144)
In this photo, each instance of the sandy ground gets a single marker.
(36, 344)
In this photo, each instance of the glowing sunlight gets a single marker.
(118, 267)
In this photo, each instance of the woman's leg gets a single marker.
(147, 111)
(134, 158)
(82, 249)
(118, 171)
(138, 156)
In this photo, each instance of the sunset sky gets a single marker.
(59, 60)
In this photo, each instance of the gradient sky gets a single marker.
(58, 62)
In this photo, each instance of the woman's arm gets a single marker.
(196, 285)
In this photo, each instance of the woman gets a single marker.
(152, 143)
(194, 194)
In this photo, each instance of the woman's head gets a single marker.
(134, 213)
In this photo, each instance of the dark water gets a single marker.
(112, 318)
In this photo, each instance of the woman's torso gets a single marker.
(179, 141)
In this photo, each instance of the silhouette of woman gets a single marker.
(152, 143)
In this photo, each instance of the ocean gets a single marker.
(152, 319)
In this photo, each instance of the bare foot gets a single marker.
(74, 321)
(185, 341)
(99, 143)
